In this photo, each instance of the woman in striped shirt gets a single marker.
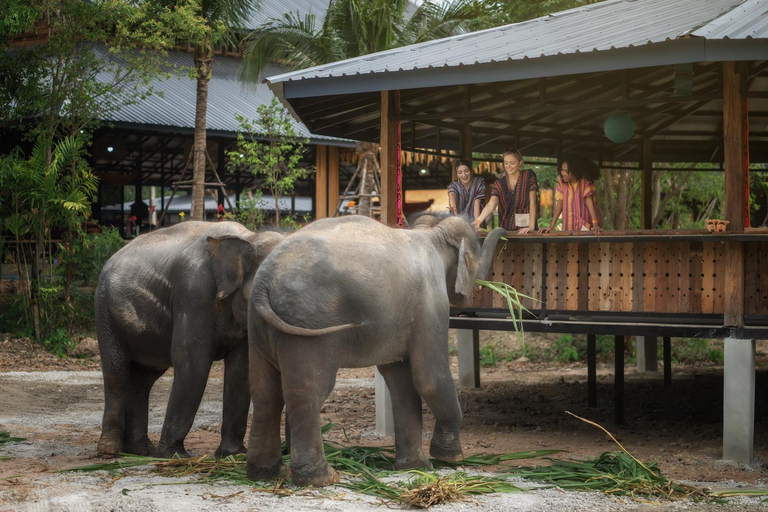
(575, 195)
(466, 194)
(514, 194)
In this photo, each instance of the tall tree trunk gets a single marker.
(203, 71)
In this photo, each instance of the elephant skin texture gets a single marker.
(176, 297)
(352, 292)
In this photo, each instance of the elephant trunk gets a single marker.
(487, 252)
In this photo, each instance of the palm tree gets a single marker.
(351, 28)
(224, 23)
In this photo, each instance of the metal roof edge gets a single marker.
(288, 77)
(688, 49)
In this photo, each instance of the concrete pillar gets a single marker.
(385, 425)
(739, 400)
(647, 360)
(468, 345)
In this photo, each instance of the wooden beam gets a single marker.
(735, 182)
(647, 183)
(321, 183)
(601, 105)
(388, 159)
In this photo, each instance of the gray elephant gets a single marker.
(176, 297)
(352, 292)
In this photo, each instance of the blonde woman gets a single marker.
(515, 196)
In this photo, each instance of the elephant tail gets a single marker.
(264, 309)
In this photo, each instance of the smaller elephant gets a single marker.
(351, 292)
(176, 297)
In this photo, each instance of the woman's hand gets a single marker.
(523, 231)
(596, 229)
(544, 230)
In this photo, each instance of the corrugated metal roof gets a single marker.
(275, 9)
(227, 96)
(613, 24)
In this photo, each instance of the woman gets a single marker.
(575, 195)
(466, 194)
(514, 194)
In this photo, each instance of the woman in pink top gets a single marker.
(575, 195)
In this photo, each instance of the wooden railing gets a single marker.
(639, 272)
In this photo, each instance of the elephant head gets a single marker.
(235, 260)
(466, 259)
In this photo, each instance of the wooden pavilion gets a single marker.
(693, 78)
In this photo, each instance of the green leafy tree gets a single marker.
(90, 59)
(94, 58)
(271, 149)
(51, 189)
(495, 13)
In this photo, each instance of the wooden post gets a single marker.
(321, 183)
(466, 133)
(647, 184)
(735, 201)
(591, 370)
(388, 160)
(333, 179)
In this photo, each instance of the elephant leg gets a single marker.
(191, 368)
(406, 408)
(236, 402)
(308, 375)
(432, 377)
(116, 372)
(265, 459)
(136, 418)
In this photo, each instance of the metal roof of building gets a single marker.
(227, 96)
(608, 25)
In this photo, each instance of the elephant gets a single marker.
(352, 292)
(176, 297)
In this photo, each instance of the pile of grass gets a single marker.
(371, 471)
(5, 438)
(363, 468)
(613, 473)
(424, 489)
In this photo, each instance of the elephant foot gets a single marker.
(322, 477)
(413, 463)
(169, 452)
(446, 446)
(110, 443)
(227, 450)
(278, 470)
(143, 447)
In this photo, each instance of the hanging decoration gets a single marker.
(619, 127)
(399, 218)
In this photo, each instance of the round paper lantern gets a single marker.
(619, 127)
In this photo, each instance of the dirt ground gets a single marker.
(57, 404)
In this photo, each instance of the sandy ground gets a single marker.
(519, 407)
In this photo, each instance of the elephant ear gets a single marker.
(228, 255)
(465, 270)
